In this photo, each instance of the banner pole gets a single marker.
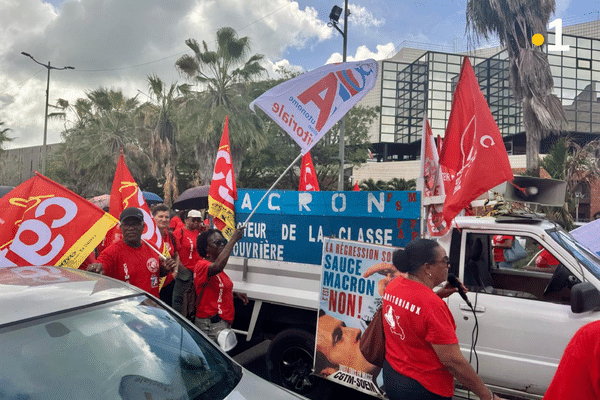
(271, 188)
(160, 255)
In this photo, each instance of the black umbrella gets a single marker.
(195, 198)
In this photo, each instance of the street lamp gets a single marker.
(48, 67)
(334, 18)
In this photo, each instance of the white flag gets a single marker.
(307, 106)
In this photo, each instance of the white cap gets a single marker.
(194, 214)
(227, 339)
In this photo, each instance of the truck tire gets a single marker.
(290, 361)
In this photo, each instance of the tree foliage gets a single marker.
(224, 76)
(396, 184)
(575, 164)
(261, 168)
(105, 123)
(162, 118)
(515, 22)
(4, 135)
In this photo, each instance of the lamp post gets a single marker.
(334, 18)
(48, 67)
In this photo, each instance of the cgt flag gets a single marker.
(433, 185)
(308, 175)
(223, 192)
(126, 193)
(473, 152)
(307, 106)
(43, 223)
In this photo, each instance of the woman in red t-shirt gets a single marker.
(422, 355)
(214, 302)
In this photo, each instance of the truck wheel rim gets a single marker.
(296, 366)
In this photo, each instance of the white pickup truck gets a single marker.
(525, 315)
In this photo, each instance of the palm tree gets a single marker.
(402, 184)
(576, 165)
(371, 185)
(224, 76)
(105, 123)
(3, 135)
(515, 22)
(163, 147)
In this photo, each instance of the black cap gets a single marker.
(131, 212)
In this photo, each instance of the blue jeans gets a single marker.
(400, 387)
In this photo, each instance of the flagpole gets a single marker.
(271, 188)
(160, 255)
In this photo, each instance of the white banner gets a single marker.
(307, 106)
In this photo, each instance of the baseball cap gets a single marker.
(132, 212)
(194, 214)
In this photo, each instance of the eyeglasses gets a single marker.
(445, 261)
(131, 222)
(196, 219)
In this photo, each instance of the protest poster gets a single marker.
(587, 235)
(353, 281)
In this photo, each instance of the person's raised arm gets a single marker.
(219, 264)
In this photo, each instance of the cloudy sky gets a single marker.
(117, 43)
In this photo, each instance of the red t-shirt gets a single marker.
(414, 319)
(112, 236)
(186, 247)
(499, 251)
(217, 297)
(578, 374)
(176, 223)
(137, 266)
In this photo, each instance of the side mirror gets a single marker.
(584, 297)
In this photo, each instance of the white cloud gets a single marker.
(362, 17)
(363, 53)
(116, 44)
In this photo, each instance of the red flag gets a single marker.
(473, 151)
(223, 191)
(126, 193)
(43, 223)
(433, 184)
(356, 188)
(308, 175)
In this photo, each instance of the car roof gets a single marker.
(30, 292)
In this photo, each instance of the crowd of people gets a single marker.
(198, 257)
(422, 354)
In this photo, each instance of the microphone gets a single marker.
(454, 282)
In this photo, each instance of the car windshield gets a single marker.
(132, 348)
(579, 251)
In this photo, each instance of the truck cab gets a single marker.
(526, 311)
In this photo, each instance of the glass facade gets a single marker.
(409, 92)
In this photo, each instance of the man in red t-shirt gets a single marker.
(130, 259)
(578, 374)
(186, 238)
